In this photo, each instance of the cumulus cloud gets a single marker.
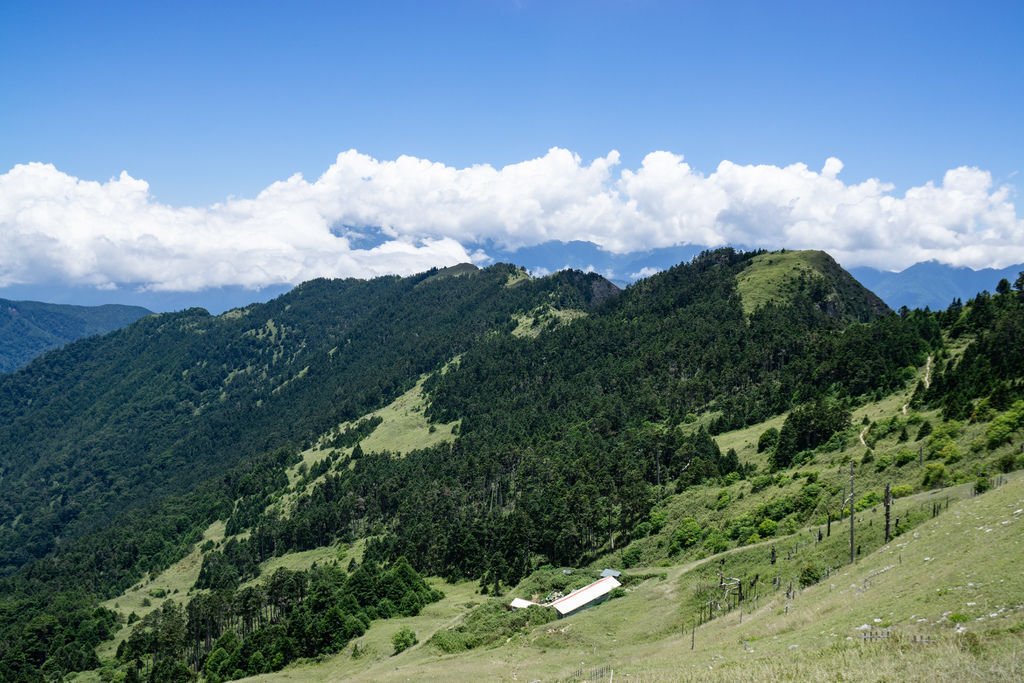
(646, 271)
(56, 227)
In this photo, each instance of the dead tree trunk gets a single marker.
(888, 511)
(853, 549)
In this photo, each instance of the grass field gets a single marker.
(459, 270)
(174, 583)
(941, 582)
(405, 428)
(773, 277)
(300, 561)
(544, 318)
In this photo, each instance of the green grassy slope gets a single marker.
(941, 583)
(779, 276)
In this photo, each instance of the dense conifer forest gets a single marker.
(117, 452)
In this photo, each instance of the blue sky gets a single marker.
(206, 101)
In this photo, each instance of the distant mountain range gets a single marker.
(215, 300)
(28, 328)
(929, 284)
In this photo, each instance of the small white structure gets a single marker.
(519, 603)
(611, 572)
(586, 596)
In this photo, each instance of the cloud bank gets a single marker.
(58, 228)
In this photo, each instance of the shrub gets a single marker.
(982, 484)
(448, 642)
(788, 526)
(901, 490)
(810, 574)
(768, 439)
(686, 535)
(837, 442)
(630, 556)
(869, 499)
(642, 529)
(1001, 428)
(904, 456)
(403, 639)
(924, 430)
(490, 623)
(767, 527)
(715, 543)
(934, 475)
(657, 521)
(1007, 463)
(808, 497)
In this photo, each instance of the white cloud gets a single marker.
(646, 271)
(55, 227)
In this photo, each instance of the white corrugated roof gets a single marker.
(580, 597)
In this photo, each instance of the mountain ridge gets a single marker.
(30, 328)
(910, 287)
(560, 412)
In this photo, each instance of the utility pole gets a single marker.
(853, 556)
(888, 511)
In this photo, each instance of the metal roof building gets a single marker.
(583, 597)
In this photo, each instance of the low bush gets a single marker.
(403, 639)
(491, 622)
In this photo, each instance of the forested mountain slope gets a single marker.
(577, 408)
(565, 435)
(119, 421)
(28, 328)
